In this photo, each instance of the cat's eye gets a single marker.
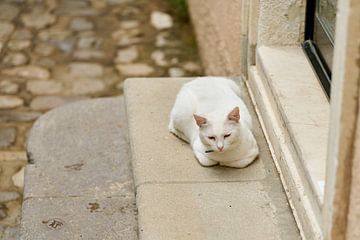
(227, 135)
(211, 138)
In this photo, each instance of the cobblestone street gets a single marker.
(54, 52)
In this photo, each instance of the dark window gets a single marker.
(319, 38)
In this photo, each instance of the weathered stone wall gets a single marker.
(218, 31)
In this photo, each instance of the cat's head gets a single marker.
(219, 132)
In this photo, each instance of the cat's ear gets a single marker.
(200, 120)
(234, 115)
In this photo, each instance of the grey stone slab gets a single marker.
(79, 149)
(78, 184)
(213, 211)
(160, 157)
(76, 218)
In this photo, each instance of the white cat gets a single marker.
(209, 114)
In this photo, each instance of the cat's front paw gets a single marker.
(204, 161)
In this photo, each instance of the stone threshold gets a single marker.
(179, 199)
(294, 113)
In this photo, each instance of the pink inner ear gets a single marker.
(234, 115)
(199, 120)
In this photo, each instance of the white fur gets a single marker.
(214, 98)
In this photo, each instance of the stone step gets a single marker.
(177, 198)
(78, 184)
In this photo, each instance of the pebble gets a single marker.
(161, 20)
(86, 69)
(192, 67)
(176, 72)
(98, 3)
(135, 69)
(22, 34)
(84, 87)
(8, 12)
(43, 103)
(127, 37)
(89, 42)
(7, 87)
(81, 24)
(162, 40)
(53, 34)
(29, 71)
(129, 24)
(127, 55)
(9, 196)
(9, 102)
(7, 138)
(44, 87)
(18, 178)
(115, 2)
(88, 54)
(44, 49)
(17, 45)
(127, 40)
(66, 45)
(159, 58)
(18, 116)
(44, 61)
(37, 19)
(5, 30)
(15, 59)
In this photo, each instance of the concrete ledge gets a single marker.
(179, 199)
(296, 182)
(79, 183)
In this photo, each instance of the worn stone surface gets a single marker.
(37, 19)
(84, 87)
(8, 101)
(43, 103)
(86, 69)
(176, 72)
(18, 116)
(44, 49)
(9, 196)
(186, 200)
(81, 24)
(150, 154)
(135, 69)
(39, 42)
(29, 71)
(44, 87)
(240, 210)
(5, 30)
(15, 59)
(161, 20)
(18, 45)
(7, 137)
(99, 177)
(127, 55)
(8, 87)
(8, 11)
(88, 54)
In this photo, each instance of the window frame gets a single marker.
(314, 25)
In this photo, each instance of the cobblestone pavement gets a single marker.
(54, 52)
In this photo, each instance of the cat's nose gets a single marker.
(221, 148)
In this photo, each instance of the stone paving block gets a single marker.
(78, 184)
(156, 152)
(213, 211)
(76, 218)
(79, 149)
